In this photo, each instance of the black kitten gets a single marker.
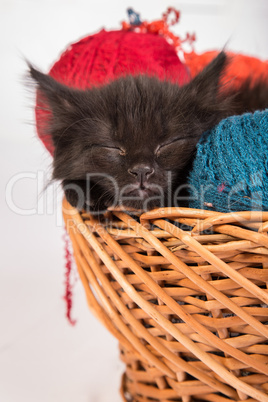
(132, 141)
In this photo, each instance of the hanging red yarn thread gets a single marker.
(68, 296)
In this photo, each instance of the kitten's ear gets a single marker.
(206, 98)
(206, 84)
(59, 97)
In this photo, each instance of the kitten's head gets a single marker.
(129, 142)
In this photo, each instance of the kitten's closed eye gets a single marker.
(167, 154)
(162, 147)
(120, 151)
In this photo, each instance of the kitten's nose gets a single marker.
(141, 172)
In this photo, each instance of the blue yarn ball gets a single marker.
(230, 170)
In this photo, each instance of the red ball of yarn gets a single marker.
(100, 58)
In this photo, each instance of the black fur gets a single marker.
(132, 141)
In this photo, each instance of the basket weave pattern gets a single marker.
(185, 293)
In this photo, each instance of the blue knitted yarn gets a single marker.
(230, 171)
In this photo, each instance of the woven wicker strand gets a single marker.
(189, 308)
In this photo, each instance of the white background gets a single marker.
(43, 358)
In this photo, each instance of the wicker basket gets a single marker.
(185, 293)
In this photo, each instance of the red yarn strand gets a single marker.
(161, 27)
(68, 296)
